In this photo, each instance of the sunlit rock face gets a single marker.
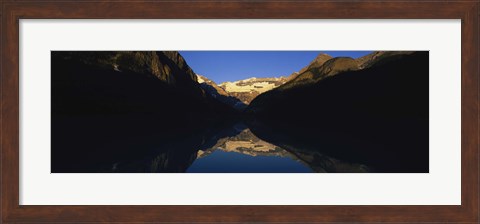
(246, 90)
(322, 67)
(219, 93)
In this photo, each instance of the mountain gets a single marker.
(320, 70)
(375, 113)
(317, 62)
(246, 90)
(321, 67)
(324, 66)
(219, 93)
(154, 83)
(341, 77)
(373, 58)
(127, 106)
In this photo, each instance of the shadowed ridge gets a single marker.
(374, 57)
(219, 93)
(317, 62)
(377, 116)
(315, 73)
(117, 105)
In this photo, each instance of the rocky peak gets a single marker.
(323, 66)
(205, 81)
(322, 57)
(317, 62)
(219, 93)
(178, 60)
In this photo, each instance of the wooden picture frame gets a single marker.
(12, 11)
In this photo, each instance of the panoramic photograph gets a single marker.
(240, 111)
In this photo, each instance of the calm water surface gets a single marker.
(231, 149)
(245, 153)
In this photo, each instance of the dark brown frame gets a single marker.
(11, 11)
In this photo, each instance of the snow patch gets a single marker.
(254, 86)
(199, 79)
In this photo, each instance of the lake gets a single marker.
(228, 148)
(245, 153)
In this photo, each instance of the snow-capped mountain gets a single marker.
(219, 93)
(246, 90)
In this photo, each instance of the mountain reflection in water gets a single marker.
(246, 153)
(231, 149)
(237, 150)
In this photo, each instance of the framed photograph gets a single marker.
(239, 111)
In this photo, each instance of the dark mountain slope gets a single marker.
(109, 107)
(155, 83)
(372, 58)
(317, 62)
(307, 72)
(318, 72)
(315, 72)
(377, 116)
(396, 85)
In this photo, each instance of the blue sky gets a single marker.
(222, 66)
